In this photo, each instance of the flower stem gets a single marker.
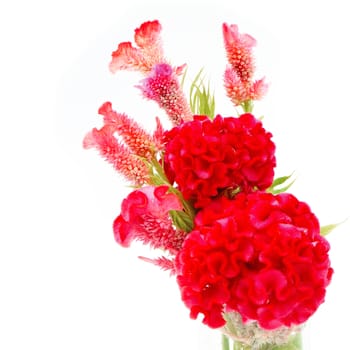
(247, 106)
(225, 343)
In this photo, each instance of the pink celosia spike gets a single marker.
(258, 89)
(235, 89)
(180, 69)
(148, 34)
(134, 136)
(239, 51)
(158, 135)
(127, 57)
(145, 217)
(162, 262)
(162, 86)
(129, 165)
(147, 37)
(143, 58)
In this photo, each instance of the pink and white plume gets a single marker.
(126, 163)
(145, 217)
(162, 86)
(238, 77)
(142, 58)
(125, 153)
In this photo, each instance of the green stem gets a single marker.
(225, 343)
(247, 106)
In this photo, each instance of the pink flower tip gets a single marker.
(232, 36)
(148, 33)
(105, 108)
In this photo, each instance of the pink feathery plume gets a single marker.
(127, 164)
(134, 136)
(162, 86)
(239, 51)
(164, 263)
(258, 89)
(158, 135)
(238, 76)
(145, 217)
(235, 89)
(145, 56)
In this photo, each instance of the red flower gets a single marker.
(260, 255)
(205, 157)
(145, 217)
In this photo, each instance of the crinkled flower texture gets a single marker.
(205, 157)
(145, 217)
(259, 254)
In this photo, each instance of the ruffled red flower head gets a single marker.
(260, 255)
(205, 157)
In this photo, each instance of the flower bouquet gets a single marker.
(249, 258)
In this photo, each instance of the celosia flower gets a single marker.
(258, 254)
(134, 136)
(235, 88)
(162, 86)
(145, 217)
(126, 163)
(143, 58)
(238, 76)
(206, 157)
(239, 51)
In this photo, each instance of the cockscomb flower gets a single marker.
(145, 217)
(143, 58)
(162, 86)
(260, 255)
(135, 137)
(125, 162)
(205, 157)
(238, 77)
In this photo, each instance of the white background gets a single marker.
(64, 282)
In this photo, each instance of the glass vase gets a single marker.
(250, 336)
(294, 343)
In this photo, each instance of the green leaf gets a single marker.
(281, 180)
(182, 83)
(282, 189)
(181, 220)
(325, 230)
(202, 100)
(275, 187)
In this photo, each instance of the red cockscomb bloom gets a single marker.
(205, 157)
(260, 255)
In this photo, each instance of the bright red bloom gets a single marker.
(258, 254)
(145, 217)
(205, 157)
(162, 86)
(143, 58)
